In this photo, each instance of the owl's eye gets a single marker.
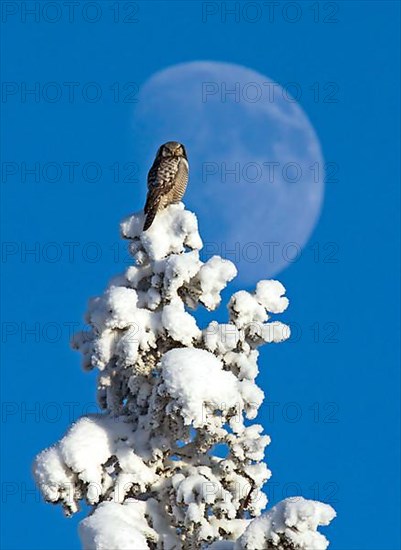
(165, 152)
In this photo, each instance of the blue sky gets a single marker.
(334, 391)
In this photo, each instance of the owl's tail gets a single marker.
(150, 216)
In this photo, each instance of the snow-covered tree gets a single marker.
(175, 398)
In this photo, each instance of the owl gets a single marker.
(167, 179)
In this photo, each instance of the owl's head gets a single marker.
(172, 149)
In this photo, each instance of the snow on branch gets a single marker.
(172, 461)
(292, 523)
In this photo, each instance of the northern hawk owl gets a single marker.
(167, 179)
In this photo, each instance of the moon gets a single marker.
(256, 169)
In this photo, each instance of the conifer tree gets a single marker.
(175, 397)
